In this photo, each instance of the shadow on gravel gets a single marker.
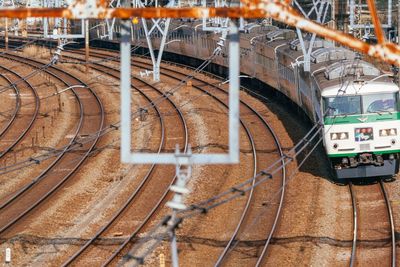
(364, 181)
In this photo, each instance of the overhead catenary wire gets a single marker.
(111, 127)
(223, 202)
(197, 209)
(240, 189)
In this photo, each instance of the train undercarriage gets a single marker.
(365, 165)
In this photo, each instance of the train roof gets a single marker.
(353, 87)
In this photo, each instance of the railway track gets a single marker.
(24, 115)
(91, 119)
(367, 226)
(156, 182)
(266, 158)
(247, 109)
(107, 70)
(9, 119)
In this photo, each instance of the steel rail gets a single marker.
(46, 156)
(43, 174)
(146, 220)
(245, 211)
(244, 214)
(129, 201)
(355, 225)
(246, 208)
(124, 245)
(115, 73)
(391, 219)
(262, 254)
(247, 132)
(14, 110)
(59, 183)
(35, 113)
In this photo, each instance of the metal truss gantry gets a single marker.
(110, 24)
(15, 22)
(356, 9)
(319, 12)
(60, 28)
(158, 27)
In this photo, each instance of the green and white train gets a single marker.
(357, 104)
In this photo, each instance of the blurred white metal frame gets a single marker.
(60, 24)
(175, 158)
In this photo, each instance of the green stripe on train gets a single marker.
(354, 154)
(361, 118)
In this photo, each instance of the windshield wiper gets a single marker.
(381, 111)
(347, 114)
(344, 115)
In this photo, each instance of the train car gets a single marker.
(360, 119)
(356, 103)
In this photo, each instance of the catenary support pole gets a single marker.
(87, 45)
(125, 70)
(6, 34)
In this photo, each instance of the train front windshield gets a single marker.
(343, 105)
(365, 104)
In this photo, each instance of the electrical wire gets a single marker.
(37, 159)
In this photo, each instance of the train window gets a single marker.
(343, 105)
(377, 103)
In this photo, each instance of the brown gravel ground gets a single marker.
(7, 108)
(315, 227)
(393, 189)
(82, 206)
(55, 123)
(58, 221)
(312, 225)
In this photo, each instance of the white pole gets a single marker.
(8, 255)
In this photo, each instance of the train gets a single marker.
(354, 100)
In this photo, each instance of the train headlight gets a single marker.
(344, 136)
(341, 136)
(388, 132)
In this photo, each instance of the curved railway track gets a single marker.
(358, 216)
(369, 216)
(13, 110)
(159, 184)
(91, 120)
(245, 214)
(109, 71)
(25, 114)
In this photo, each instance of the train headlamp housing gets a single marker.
(388, 132)
(340, 136)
